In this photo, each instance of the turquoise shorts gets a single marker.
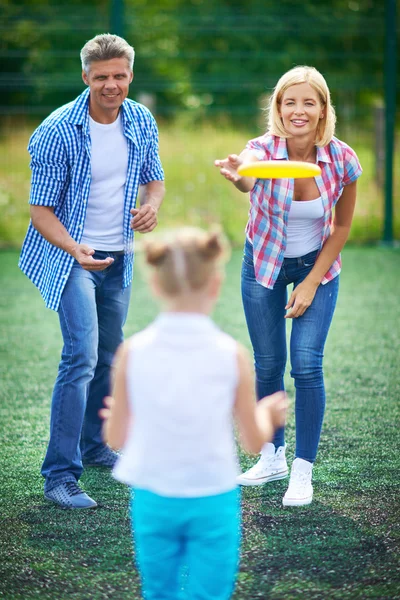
(186, 548)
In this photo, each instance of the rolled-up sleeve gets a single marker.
(257, 148)
(352, 167)
(48, 166)
(151, 168)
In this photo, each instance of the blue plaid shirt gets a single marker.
(61, 176)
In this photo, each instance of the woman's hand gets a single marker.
(300, 299)
(228, 167)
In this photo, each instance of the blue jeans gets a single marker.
(92, 312)
(265, 310)
(186, 548)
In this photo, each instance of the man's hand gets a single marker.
(144, 218)
(84, 255)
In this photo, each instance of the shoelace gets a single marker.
(73, 488)
(263, 464)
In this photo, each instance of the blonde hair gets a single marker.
(106, 46)
(310, 75)
(186, 259)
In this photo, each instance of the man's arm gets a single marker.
(50, 227)
(150, 198)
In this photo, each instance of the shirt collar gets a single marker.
(79, 115)
(323, 154)
(280, 152)
(280, 149)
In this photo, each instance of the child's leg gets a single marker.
(159, 545)
(213, 544)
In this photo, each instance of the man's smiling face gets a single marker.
(108, 81)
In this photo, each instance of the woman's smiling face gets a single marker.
(301, 110)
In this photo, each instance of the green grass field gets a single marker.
(196, 192)
(344, 546)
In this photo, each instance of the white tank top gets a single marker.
(103, 229)
(304, 227)
(182, 378)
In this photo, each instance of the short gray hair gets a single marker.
(106, 47)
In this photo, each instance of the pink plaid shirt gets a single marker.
(270, 201)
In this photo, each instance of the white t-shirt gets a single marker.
(304, 227)
(103, 229)
(182, 378)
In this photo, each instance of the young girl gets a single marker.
(177, 385)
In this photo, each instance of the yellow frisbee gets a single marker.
(279, 169)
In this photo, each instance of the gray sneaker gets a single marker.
(70, 495)
(104, 458)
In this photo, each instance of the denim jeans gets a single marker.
(92, 312)
(264, 310)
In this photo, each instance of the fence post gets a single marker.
(117, 17)
(390, 110)
(379, 129)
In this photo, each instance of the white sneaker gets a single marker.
(270, 466)
(300, 490)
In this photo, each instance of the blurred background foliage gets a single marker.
(204, 56)
(205, 68)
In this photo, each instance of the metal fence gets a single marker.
(218, 66)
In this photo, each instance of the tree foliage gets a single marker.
(204, 56)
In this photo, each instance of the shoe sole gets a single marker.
(296, 501)
(69, 507)
(262, 480)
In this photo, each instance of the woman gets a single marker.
(293, 237)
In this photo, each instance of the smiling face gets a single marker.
(301, 110)
(108, 81)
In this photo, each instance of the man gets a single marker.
(88, 159)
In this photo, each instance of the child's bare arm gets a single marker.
(117, 415)
(256, 421)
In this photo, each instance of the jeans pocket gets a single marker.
(247, 261)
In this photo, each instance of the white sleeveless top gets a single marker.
(104, 221)
(304, 227)
(182, 378)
